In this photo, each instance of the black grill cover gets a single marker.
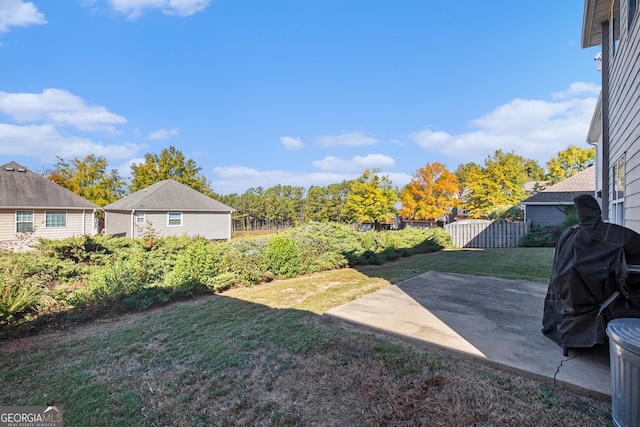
(590, 281)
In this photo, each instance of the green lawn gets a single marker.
(533, 264)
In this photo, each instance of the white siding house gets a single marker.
(168, 208)
(31, 205)
(614, 25)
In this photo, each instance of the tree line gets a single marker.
(492, 190)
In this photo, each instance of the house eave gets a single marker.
(546, 203)
(129, 210)
(48, 208)
(595, 127)
(595, 13)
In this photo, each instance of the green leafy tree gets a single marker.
(89, 178)
(327, 204)
(372, 197)
(463, 171)
(500, 183)
(169, 164)
(535, 172)
(283, 205)
(431, 194)
(568, 162)
(252, 203)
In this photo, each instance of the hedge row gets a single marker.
(85, 276)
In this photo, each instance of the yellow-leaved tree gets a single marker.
(89, 178)
(372, 197)
(568, 162)
(432, 193)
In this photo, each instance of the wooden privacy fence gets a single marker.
(486, 234)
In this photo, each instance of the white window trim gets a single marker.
(46, 213)
(169, 219)
(140, 217)
(617, 203)
(32, 221)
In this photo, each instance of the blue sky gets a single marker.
(293, 92)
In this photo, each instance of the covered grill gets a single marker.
(593, 279)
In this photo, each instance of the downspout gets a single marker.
(605, 121)
(133, 211)
(595, 183)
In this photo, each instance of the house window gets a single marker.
(55, 219)
(633, 8)
(139, 217)
(617, 202)
(24, 221)
(175, 218)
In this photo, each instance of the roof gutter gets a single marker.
(605, 121)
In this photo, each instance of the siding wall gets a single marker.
(545, 215)
(117, 223)
(78, 223)
(210, 225)
(624, 120)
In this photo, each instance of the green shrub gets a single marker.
(548, 235)
(76, 249)
(321, 245)
(18, 300)
(570, 217)
(282, 257)
(223, 282)
(22, 287)
(110, 283)
(541, 236)
(195, 266)
(244, 258)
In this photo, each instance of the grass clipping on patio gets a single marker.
(266, 358)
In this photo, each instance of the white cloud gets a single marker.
(331, 163)
(291, 144)
(60, 107)
(17, 13)
(374, 161)
(236, 172)
(398, 179)
(164, 133)
(237, 179)
(577, 89)
(135, 8)
(357, 163)
(124, 169)
(353, 139)
(45, 143)
(534, 129)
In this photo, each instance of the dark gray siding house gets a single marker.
(32, 205)
(169, 208)
(548, 206)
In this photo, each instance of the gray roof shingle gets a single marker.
(583, 182)
(22, 188)
(165, 196)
